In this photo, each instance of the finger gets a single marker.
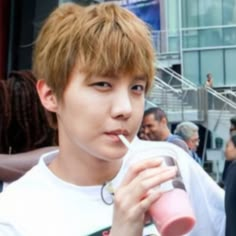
(152, 172)
(145, 204)
(138, 167)
(139, 189)
(142, 187)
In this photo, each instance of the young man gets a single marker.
(94, 66)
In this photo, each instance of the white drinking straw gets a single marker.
(124, 140)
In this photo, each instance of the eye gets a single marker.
(139, 88)
(102, 85)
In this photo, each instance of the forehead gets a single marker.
(149, 119)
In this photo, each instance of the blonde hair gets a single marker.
(115, 41)
(102, 40)
(53, 56)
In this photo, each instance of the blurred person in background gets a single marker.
(188, 131)
(24, 126)
(209, 84)
(232, 131)
(232, 128)
(209, 80)
(155, 128)
(27, 126)
(230, 187)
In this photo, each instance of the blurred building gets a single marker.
(198, 37)
(191, 37)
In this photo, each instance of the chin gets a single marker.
(114, 154)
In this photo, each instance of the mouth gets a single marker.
(114, 134)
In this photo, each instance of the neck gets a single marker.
(166, 134)
(85, 172)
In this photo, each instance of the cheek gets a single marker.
(189, 143)
(233, 151)
(137, 111)
(84, 106)
(152, 130)
(230, 153)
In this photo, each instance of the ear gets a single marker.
(47, 97)
(163, 121)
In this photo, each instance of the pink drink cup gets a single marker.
(172, 213)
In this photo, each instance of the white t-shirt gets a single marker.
(41, 204)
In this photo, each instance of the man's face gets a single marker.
(152, 128)
(94, 111)
(193, 142)
(230, 151)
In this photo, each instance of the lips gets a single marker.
(118, 132)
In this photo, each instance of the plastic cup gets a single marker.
(172, 213)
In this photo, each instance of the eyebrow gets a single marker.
(140, 78)
(134, 78)
(115, 76)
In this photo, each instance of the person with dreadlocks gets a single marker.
(24, 125)
(28, 126)
(4, 116)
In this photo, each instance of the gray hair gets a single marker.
(186, 130)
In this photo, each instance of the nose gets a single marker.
(145, 130)
(122, 105)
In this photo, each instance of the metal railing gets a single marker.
(177, 100)
(218, 98)
(176, 80)
(231, 95)
(175, 93)
(181, 80)
(164, 95)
